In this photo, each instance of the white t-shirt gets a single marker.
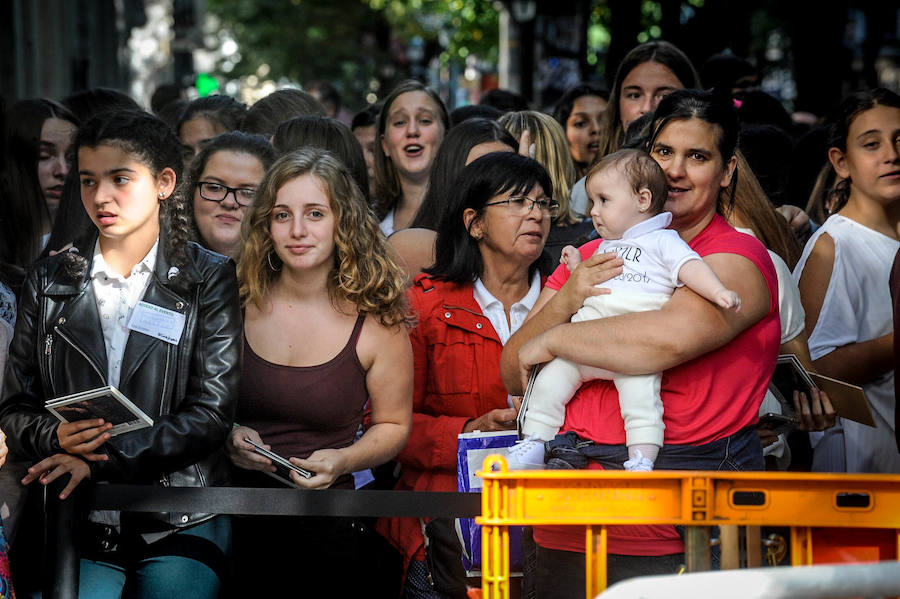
(857, 308)
(653, 256)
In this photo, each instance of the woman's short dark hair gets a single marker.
(451, 158)
(457, 257)
(266, 114)
(329, 134)
(715, 109)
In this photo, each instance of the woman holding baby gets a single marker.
(716, 362)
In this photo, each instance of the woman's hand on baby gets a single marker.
(241, 452)
(729, 299)
(325, 464)
(82, 437)
(49, 469)
(583, 282)
(496, 420)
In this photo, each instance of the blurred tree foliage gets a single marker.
(342, 41)
(461, 27)
(359, 45)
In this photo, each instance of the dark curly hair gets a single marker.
(151, 142)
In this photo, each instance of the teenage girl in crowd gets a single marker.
(579, 112)
(715, 375)
(843, 278)
(77, 330)
(410, 129)
(221, 184)
(647, 74)
(324, 332)
(38, 136)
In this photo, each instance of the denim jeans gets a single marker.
(189, 563)
(740, 451)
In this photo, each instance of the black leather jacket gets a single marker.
(190, 390)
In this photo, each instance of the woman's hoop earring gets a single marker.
(269, 260)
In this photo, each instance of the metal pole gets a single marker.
(62, 564)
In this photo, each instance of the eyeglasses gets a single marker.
(524, 205)
(216, 192)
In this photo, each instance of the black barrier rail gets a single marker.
(62, 579)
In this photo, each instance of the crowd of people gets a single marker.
(353, 297)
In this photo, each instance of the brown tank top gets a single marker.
(299, 409)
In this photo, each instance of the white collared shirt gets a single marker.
(492, 308)
(116, 297)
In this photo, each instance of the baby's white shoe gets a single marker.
(527, 454)
(639, 463)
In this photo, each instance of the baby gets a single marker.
(627, 191)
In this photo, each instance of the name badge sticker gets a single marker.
(157, 322)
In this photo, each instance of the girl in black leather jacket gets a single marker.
(76, 331)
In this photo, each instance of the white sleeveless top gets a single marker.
(856, 308)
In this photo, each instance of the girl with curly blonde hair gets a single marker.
(324, 337)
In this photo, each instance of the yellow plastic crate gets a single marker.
(597, 498)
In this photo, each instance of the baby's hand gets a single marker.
(728, 299)
(571, 257)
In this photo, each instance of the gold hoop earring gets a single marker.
(269, 260)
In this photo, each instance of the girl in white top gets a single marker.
(627, 190)
(843, 280)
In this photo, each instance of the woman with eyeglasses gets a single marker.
(222, 181)
(484, 281)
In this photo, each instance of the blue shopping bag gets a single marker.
(472, 449)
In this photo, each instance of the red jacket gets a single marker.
(456, 360)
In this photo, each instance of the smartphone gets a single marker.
(778, 424)
(283, 467)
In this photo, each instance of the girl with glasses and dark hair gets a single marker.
(221, 184)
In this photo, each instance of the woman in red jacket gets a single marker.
(483, 283)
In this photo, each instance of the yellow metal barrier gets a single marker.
(597, 498)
